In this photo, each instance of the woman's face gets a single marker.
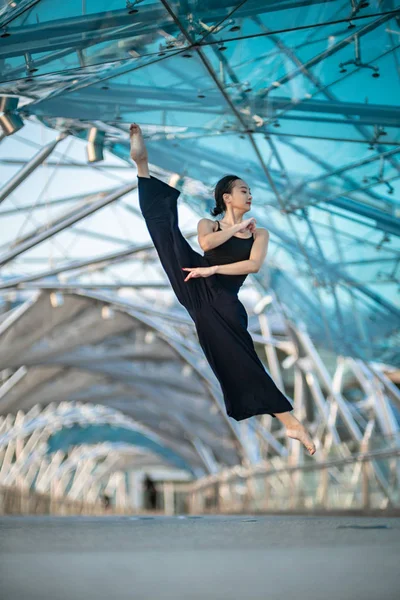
(240, 197)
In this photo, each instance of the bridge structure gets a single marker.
(102, 379)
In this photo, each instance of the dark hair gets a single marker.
(224, 186)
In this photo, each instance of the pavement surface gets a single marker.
(204, 557)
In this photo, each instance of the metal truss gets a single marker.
(79, 472)
(342, 410)
(29, 167)
(66, 336)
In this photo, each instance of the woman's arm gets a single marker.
(209, 239)
(243, 267)
(253, 264)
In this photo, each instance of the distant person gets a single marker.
(106, 501)
(150, 493)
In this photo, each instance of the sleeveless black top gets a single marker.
(233, 250)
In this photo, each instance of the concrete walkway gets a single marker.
(200, 558)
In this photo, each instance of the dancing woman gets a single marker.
(207, 286)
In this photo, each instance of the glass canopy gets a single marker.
(300, 99)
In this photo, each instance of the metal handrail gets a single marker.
(261, 469)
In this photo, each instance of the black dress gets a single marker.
(212, 302)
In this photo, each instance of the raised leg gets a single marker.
(158, 203)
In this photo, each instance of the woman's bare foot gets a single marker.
(300, 433)
(138, 148)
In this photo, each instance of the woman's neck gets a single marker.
(232, 218)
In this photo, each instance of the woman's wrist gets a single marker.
(234, 228)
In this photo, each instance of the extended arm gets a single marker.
(243, 267)
(209, 239)
(254, 263)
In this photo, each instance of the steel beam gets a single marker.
(65, 222)
(29, 167)
(304, 69)
(237, 113)
(83, 30)
(326, 92)
(86, 201)
(387, 115)
(340, 277)
(77, 285)
(9, 12)
(80, 28)
(101, 261)
(343, 43)
(76, 198)
(329, 138)
(344, 168)
(69, 165)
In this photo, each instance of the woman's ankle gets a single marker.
(288, 419)
(143, 169)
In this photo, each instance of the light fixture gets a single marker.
(187, 370)
(149, 337)
(357, 61)
(384, 240)
(95, 145)
(10, 121)
(56, 299)
(131, 7)
(107, 312)
(29, 63)
(8, 103)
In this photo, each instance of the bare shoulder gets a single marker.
(262, 232)
(206, 225)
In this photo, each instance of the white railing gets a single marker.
(364, 480)
(347, 478)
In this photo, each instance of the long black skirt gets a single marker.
(220, 318)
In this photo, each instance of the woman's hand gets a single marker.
(199, 272)
(247, 225)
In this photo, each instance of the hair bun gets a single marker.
(224, 186)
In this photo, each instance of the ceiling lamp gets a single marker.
(95, 145)
(10, 121)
